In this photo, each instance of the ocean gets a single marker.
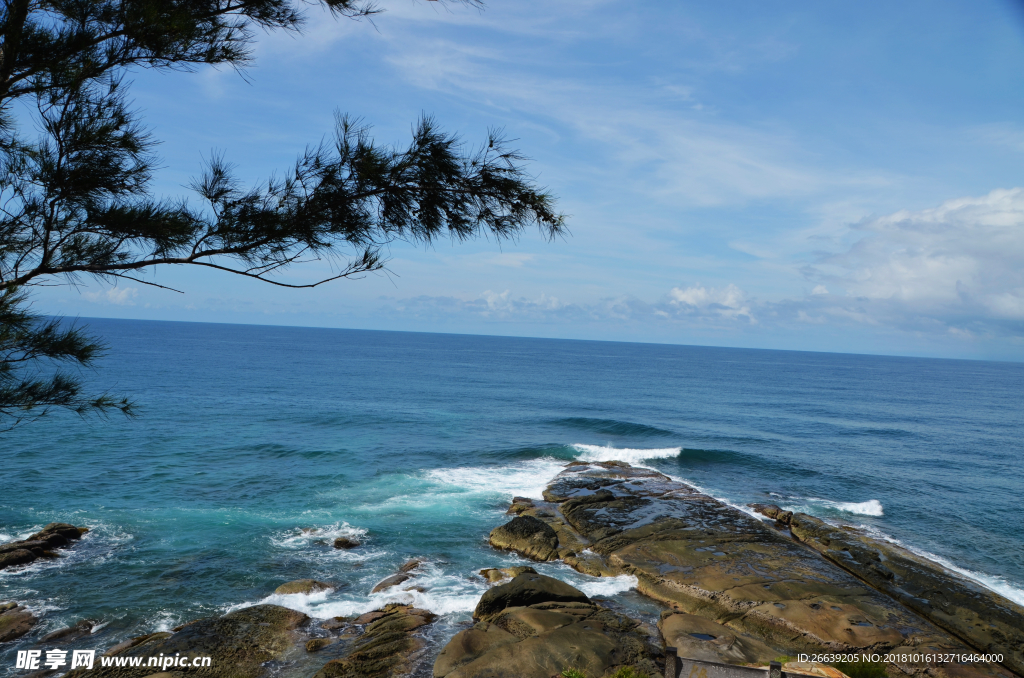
(413, 444)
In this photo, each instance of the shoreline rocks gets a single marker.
(386, 647)
(764, 591)
(240, 643)
(536, 627)
(15, 621)
(306, 586)
(39, 545)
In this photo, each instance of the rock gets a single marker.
(305, 586)
(58, 534)
(240, 643)
(527, 589)
(15, 622)
(528, 536)
(410, 565)
(519, 504)
(7, 606)
(315, 644)
(388, 582)
(336, 623)
(543, 638)
(700, 638)
(991, 623)
(82, 628)
(40, 544)
(385, 648)
(701, 557)
(369, 617)
(16, 557)
(345, 543)
(495, 575)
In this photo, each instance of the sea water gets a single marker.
(413, 444)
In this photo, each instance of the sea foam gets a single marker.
(871, 507)
(524, 479)
(626, 454)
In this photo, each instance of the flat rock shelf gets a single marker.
(742, 590)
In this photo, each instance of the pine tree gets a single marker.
(75, 203)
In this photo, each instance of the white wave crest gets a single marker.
(871, 507)
(628, 455)
(608, 586)
(442, 594)
(524, 479)
(301, 538)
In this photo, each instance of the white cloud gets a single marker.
(964, 258)
(119, 296)
(728, 302)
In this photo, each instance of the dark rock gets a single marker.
(15, 622)
(528, 536)
(39, 545)
(345, 543)
(306, 586)
(387, 647)
(240, 643)
(82, 628)
(410, 565)
(388, 582)
(527, 589)
(16, 557)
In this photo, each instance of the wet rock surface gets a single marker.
(240, 644)
(15, 621)
(537, 627)
(388, 645)
(528, 536)
(305, 586)
(40, 545)
(987, 621)
(704, 559)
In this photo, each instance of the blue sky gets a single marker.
(815, 176)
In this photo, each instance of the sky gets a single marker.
(822, 176)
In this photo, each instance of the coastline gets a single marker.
(596, 517)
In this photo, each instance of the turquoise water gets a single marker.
(414, 443)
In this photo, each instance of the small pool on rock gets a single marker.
(702, 636)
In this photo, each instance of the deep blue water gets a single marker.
(414, 443)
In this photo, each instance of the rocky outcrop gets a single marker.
(495, 575)
(39, 545)
(387, 646)
(700, 638)
(70, 633)
(240, 644)
(388, 582)
(15, 621)
(537, 627)
(527, 589)
(704, 559)
(988, 622)
(305, 586)
(345, 543)
(528, 536)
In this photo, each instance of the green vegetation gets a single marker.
(629, 672)
(861, 669)
(76, 167)
(573, 673)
